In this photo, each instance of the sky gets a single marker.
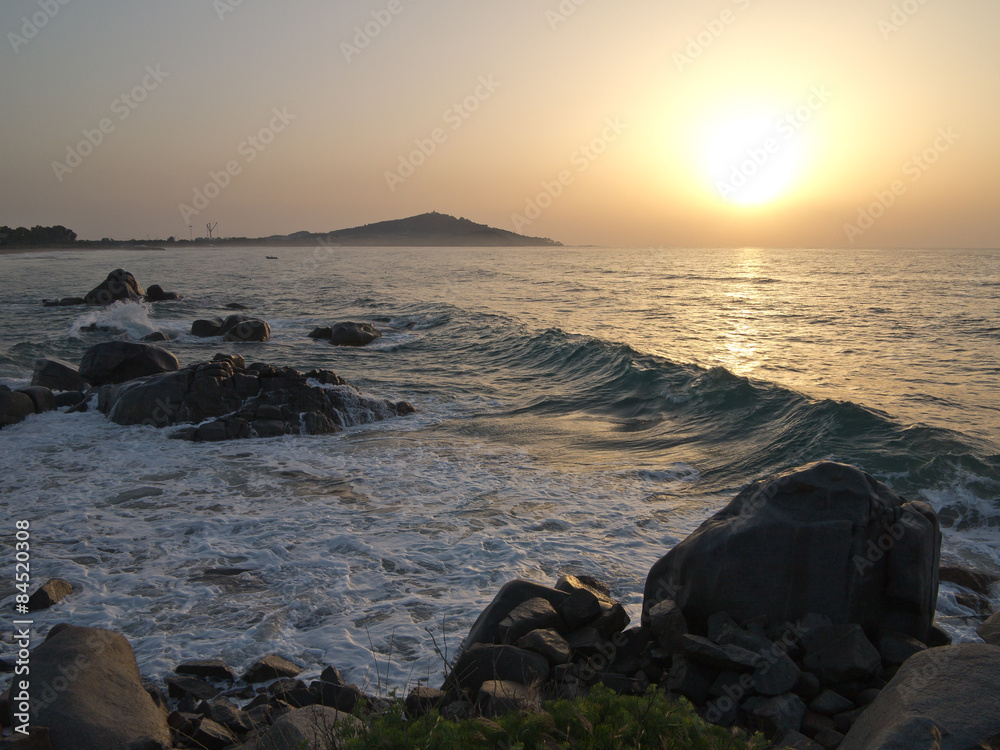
(666, 123)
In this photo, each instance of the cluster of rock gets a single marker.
(142, 384)
(229, 400)
(348, 334)
(234, 328)
(119, 286)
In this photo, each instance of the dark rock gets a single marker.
(313, 727)
(271, 667)
(534, 614)
(571, 584)
(895, 648)
(209, 669)
(353, 334)
(813, 723)
(120, 361)
(422, 700)
(795, 741)
(867, 697)
(104, 705)
(154, 337)
(14, 407)
(830, 703)
(119, 286)
(955, 688)
(226, 713)
(155, 293)
(58, 376)
(839, 653)
(295, 692)
(776, 676)
(719, 657)
(207, 328)
(64, 302)
(249, 330)
(780, 714)
(486, 627)
(690, 679)
(41, 398)
(51, 593)
(809, 541)
(579, 609)
(179, 687)
(332, 676)
(587, 641)
(321, 333)
(614, 620)
(843, 722)
(989, 631)
(668, 626)
(211, 735)
(549, 644)
(482, 662)
(69, 399)
(236, 306)
(498, 697)
(341, 697)
(978, 581)
(808, 686)
(829, 738)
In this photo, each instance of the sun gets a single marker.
(753, 158)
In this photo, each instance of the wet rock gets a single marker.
(207, 328)
(52, 592)
(64, 302)
(271, 667)
(826, 538)
(115, 362)
(534, 614)
(249, 330)
(119, 286)
(486, 627)
(155, 293)
(353, 334)
(14, 407)
(154, 337)
(57, 375)
(483, 662)
(69, 399)
(209, 669)
(548, 643)
(180, 687)
(41, 398)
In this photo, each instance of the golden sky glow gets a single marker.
(724, 123)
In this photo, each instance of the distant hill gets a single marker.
(426, 230)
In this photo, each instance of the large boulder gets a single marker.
(14, 407)
(249, 330)
(310, 728)
(954, 689)
(256, 401)
(121, 361)
(155, 293)
(57, 375)
(120, 285)
(825, 539)
(86, 690)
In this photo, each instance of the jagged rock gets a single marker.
(827, 538)
(51, 593)
(211, 735)
(776, 675)
(483, 662)
(780, 714)
(14, 407)
(534, 614)
(244, 402)
(271, 667)
(719, 657)
(896, 648)
(955, 688)
(226, 713)
(485, 629)
(211, 669)
(115, 362)
(180, 687)
(614, 620)
(120, 285)
(548, 643)
(830, 703)
(579, 609)
(103, 705)
(840, 653)
(310, 728)
(57, 375)
(341, 697)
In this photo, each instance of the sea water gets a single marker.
(579, 410)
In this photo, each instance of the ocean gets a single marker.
(579, 410)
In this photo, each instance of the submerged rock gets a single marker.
(229, 401)
(233, 328)
(827, 538)
(348, 334)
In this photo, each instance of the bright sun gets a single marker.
(753, 159)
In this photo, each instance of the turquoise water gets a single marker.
(580, 410)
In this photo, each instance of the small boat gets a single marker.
(271, 257)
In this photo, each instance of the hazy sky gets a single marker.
(633, 122)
